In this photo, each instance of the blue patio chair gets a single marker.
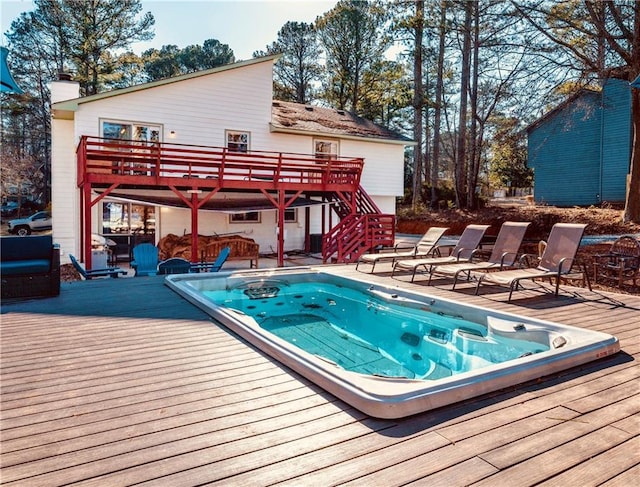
(145, 259)
(212, 266)
(174, 265)
(108, 272)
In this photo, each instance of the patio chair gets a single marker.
(108, 272)
(213, 266)
(425, 247)
(174, 265)
(621, 263)
(462, 252)
(503, 255)
(145, 260)
(556, 261)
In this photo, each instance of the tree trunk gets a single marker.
(632, 206)
(474, 156)
(418, 102)
(437, 115)
(461, 156)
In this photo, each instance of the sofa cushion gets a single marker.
(22, 267)
(25, 248)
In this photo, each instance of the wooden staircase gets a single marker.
(362, 228)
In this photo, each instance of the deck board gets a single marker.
(139, 386)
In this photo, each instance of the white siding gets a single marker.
(65, 197)
(383, 173)
(198, 110)
(383, 162)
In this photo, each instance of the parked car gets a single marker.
(9, 209)
(37, 222)
(13, 209)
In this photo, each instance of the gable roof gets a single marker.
(581, 93)
(296, 118)
(72, 105)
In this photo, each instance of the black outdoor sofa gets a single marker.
(29, 267)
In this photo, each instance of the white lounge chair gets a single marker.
(424, 248)
(503, 255)
(462, 252)
(556, 260)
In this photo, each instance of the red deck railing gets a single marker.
(356, 235)
(164, 165)
(115, 161)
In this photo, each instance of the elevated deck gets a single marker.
(196, 173)
(107, 162)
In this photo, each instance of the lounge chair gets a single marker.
(503, 254)
(145, 259)
(108, 272)
(213, 266)
(462, 252)
(556, 260)
(424, 248)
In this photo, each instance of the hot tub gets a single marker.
(386, 351)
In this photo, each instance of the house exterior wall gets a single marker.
(199, 111)
(617, 140)
(581, 153)
(65, 197)
(178, 222)
(564, 152)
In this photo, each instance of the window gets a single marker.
(290, 215)
(127, 218)
(144, 133)
(118, 131)
(237, 141)
(147, 134)
(248, 217)
(325, 149)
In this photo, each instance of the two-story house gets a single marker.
(211, 153)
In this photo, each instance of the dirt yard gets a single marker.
(600, 221)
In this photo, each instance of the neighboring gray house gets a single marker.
(581, 150)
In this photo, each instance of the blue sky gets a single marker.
(245, 25)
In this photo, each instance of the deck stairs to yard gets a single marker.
(361, 229)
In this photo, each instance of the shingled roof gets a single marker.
(298, 118)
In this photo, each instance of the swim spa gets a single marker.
(386, 351)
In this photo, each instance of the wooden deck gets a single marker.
(120, 382)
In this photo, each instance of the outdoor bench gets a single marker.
(29, 266)
(241, 249)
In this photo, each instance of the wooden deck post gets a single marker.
(194, 224)
(281, 207)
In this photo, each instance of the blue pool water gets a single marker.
(371, 333)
